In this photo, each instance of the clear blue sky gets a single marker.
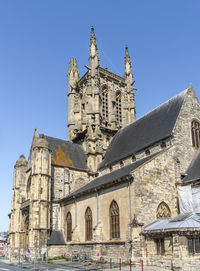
(38, 37)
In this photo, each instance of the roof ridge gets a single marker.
(182, 93)
(57, 138)
(68, 141)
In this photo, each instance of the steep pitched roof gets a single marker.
(149, 129)
(65, 153)
(193, 172)
(110, 177)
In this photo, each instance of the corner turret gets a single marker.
(19, 190)
(40, 190)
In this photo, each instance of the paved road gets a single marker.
(65, 266)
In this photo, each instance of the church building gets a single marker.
(119, 187)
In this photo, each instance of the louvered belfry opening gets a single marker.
(195, 129)
(69, 227)
(118, 109)
(114, 220)
(88, 224)
(105, 104)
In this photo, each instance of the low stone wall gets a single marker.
(94, 251)
(56, 251)
(185, 264)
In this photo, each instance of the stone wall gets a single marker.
(176, 255)
(94, 251)
(99, 205)
(56, 251)
(66, 180)
(153, 183)
(182, 137)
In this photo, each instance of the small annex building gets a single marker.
(119, 187)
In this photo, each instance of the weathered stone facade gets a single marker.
(54, 188)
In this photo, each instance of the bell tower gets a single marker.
(99, 104)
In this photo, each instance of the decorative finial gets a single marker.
(127, 51)
(92, 38)
(35, 132)
(73, 69)
(94, 60)
(127, 62)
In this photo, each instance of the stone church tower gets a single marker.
(99, 104)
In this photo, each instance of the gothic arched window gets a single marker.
(69, 227)
(118, 108)
(163, 211)
(88, 224)
(114, 220)
(105, 104)
(195, 129)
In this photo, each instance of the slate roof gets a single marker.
(193, 172)
(65, 153)
(56, 238)
(110, 177)
(149, 129)
(180, 222)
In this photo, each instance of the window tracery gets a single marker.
(118, 108)
(163, 211)
(105, 104)
(88, 224)
(114, 220)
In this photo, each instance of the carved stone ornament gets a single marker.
(163, 211)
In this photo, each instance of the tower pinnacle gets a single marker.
(94, 60)
(73, 69)
(92, 38)
(129, 86)
(127, 63)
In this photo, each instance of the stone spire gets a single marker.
(130, 108)
(94, 60)
(128, 75)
